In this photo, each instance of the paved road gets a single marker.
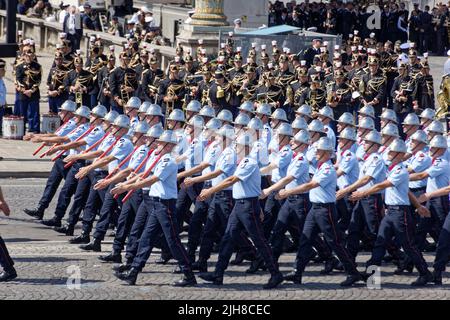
(45, 260)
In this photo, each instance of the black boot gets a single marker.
(200, 265)
(82, 238)
(255, 266)
(8, 275)
(437, 277)
(423, 279)
(330, 264)
(94, 245)
(164, 258)
(242, 255)
(129, 276)
(112, 257)
(37, 212)
(294, 277)
(188, 279)
(66, 229)
(403, 266)
(351, 279)
(53, 222)
(212, 277)
(119, 268)
(274, 281)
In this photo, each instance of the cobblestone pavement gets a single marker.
(45, 261)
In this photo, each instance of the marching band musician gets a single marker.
(150, 80)
(94, 63)
(104, 96)
(220, 92)
(172, 91)
(341, 95)
(79, 83)
(123, 83)
(403, 92)
(425, 90)
(55, 83)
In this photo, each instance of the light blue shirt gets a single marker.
(166, 187)
(66, 128)
(249, 185)
(325, 175)
(150, 160)
(260, 153)
(281, 159)
(311, 157)
(266, 134)
(75, 134)
(418, 162)
(227, 164)
(348, 163)
(212, 154)
(374, 167)
(93, 136)
(2, 93)
(397, 195)
(194, 153)
(181, 147)
(299, 170)
(138, 157)
(133, 123)
(360, 152)
(120, 151)
(438, 174)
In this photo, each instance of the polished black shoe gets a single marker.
(200, 266)
(37, 213)
(330, 265)
(274, 281)
(212, 277)
(53, 222)
(255, 266)
(241, 256)
(66, 229)
(430, 247)
(94, 245)
(8, 275)
(408, 267)
(119, 268)
(164, 258)
(437, 278)
(129, 276)
(293, 277)
(351, 280)
(186, 281)
(115, 257)
(422, 280)
(177, 270)
(82, 238)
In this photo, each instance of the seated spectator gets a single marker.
(22, 7)
(37, 11)
(90, 18)
(115, 27)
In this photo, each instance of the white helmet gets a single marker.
(366, 123)
(144, 107)
(304, 110)
(347, 118)
(177, 115)
(194, 106)
(302, 136)
(327, 112)
(242, 119)
(154, 110)
(99, 111)
(227, 131)
(436, 126)
(439, 142)
(122, 121)
(398, 145)
(285, 129)
(255, 124)
(207, 111)
(225, 116)
(390, 130)
(265, 109)
(155, 131)
(428, 114)
(111, 116)
(168, 136)
(348, 133)
(390, 115)
(69, 106)
(142, 127)
(373, 136)
(133, 103)
(279, 114)
(316, 126)
(196, 121)
(244, 139)
(83, 111)
(213, 124)
(247, 106)
(412, 120)
(325, 144)
(367, 110)
(299, 123)
(420, 135)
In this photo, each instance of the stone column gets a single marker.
(209, 13)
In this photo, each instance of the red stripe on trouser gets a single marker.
(407, 235)
(169, 214)
(338, 243)
(263, 239)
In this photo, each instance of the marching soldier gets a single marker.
(55, 83)
(79, 83)
(403, 92)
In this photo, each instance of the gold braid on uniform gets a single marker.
(128, 80)
(443, 97)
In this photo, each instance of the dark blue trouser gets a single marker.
(68, 190)
(94, 201)
(161, 217)
(397, 222)
(439, 208)
(218, 213)
(196, 224)
(186, 197)
(17, 111)
(443, 248)
(54, 103)
(93, 100)
(57, 174)
(271, 209)
(322, 217)
(79, 199)
(108, 208)
(245, 216)
(367, 214)
(29, 108)
(344, 208)
(126, 219)
(5, 260)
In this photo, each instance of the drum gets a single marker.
(49, 123)
(13, 127)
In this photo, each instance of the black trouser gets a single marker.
(5, 259)
(439, 208)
